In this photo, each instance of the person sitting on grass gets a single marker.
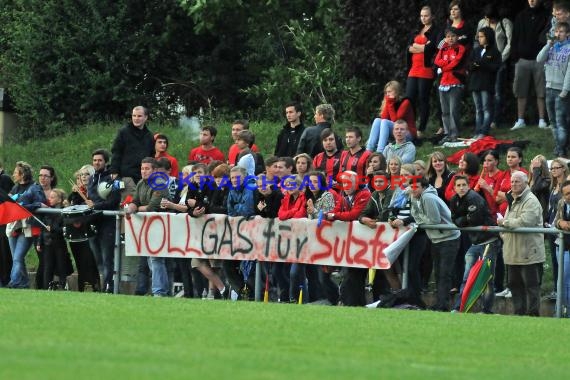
(394, 107)
(401, 147)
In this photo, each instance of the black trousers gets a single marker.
(524, 283)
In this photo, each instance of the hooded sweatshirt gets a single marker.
(431, 209)
(555, 59)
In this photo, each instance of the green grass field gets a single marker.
(60, 335)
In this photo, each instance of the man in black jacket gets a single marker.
(310, 141)
(469, 209)
(288, 138)
(133, 142)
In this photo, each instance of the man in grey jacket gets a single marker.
(428, 208)
(523, 253)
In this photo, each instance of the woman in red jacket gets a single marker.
(394, 107)
(294, 205)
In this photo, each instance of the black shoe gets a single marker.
(225, 294)
(53, 285)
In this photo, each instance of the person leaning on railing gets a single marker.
(562, 222)
(523, 253)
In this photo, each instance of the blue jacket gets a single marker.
(240, 202)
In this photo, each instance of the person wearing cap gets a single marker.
(103, 196)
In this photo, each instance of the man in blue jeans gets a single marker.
(469, 209)
(103, 243)
(429, 208)
(147, 199)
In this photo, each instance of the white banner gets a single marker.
(222, 237)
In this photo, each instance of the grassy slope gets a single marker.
(69, 335)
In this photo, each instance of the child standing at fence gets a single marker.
(52, 246)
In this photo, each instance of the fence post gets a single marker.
(117, 265)
(560, 283)
(257, 281)
(405, 275)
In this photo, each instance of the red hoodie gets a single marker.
(403, 109)
(451, 61)
(293, 208)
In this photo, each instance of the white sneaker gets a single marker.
(504, 293)
(542, 124)
(518, 125)
(508, 294)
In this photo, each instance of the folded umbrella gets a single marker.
(477, 281)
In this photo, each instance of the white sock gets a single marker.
(520, 121)
(542, 121)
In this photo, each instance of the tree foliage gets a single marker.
(69, 61)
(65, 62)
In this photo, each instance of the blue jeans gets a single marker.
(482, 101)
(280, 273)
(499, 84)
(471, 256)
(557, 113)
(451, 110)
(159, 283)
(566, 278)
(103, 247)
(143, 276)
(380, 133)
(19, 247)
(298, 281)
